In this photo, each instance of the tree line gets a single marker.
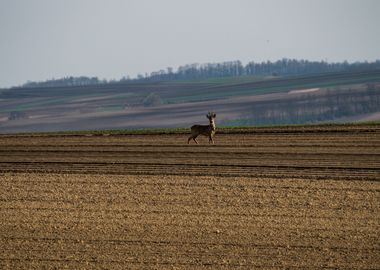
(66, 81)
(283, 67)
(327, 105)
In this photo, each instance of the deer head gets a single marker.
(211, 115)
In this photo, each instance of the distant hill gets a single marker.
(216, 71)
(242, 100)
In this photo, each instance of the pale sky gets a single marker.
(42, 39)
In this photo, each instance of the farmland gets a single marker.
(247, 100)
(269, 198)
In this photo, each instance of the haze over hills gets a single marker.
(241, 100)
(212, 71)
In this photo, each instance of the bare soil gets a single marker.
(290, 198)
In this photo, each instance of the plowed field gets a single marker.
(275, 198)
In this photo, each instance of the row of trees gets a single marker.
(216, 70)
(236, 68)
(310, 108)
(66, 81)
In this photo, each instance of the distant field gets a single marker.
(225, 87)
(185, 91)
(295, 197)
(237, 101)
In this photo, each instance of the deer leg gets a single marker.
(194, 137)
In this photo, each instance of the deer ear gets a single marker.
(214, 114)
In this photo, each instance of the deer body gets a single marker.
(205, 130)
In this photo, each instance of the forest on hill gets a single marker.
(283, 67)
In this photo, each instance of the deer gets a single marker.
(206, 130)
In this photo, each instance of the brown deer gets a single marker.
(206, 130)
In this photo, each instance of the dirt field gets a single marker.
(287, 198)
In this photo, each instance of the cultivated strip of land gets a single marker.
(296, 197)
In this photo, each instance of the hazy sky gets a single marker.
(42, 39)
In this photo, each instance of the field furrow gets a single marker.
(273, 198)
